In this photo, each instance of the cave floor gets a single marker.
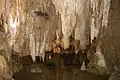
(52, 70)
(71, 73)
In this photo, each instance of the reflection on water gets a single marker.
(70, 73)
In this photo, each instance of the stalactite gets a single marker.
(67, 10)
(14, 22)
(32, 47)
(94, 27)
(94, 30)
(37, 48)
(42, 48)
(100, 11)
(32, 40)
(106, 12)
(13, 29)
(81, 19)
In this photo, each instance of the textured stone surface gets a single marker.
(110, 37)
(64, 74)
(32, 26)
(5, 70)
(35, 26)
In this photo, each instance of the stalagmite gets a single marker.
(100, 64)
(83, 67)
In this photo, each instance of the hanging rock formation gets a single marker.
(35, 26)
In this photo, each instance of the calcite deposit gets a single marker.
(31, 27)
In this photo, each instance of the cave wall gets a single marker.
(110, 38)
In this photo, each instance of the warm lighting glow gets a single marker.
(14, 23)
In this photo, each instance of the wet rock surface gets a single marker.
(16, 61)
(53, 69)
(115, 76)
(110, 40)
(65, 74)
(36, 68)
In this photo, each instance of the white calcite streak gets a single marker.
(94, 29)
(106, 12)
(42, 48)
(99, 12)
(32, 47)
(67, 10)
(14, 23)
(74, 14)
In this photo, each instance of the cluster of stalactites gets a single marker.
(13, 24)
(99, 16)
(13, 19)
(75, 15)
